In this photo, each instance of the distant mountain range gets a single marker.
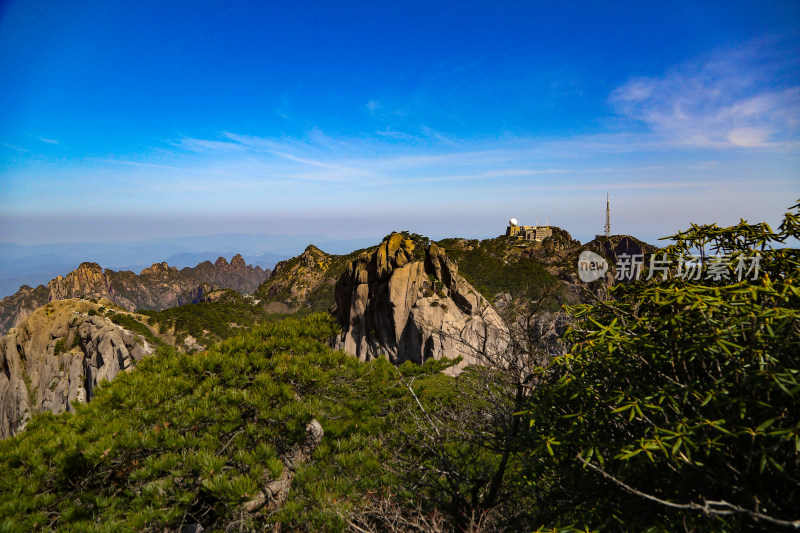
(156, 287)
(37, 264)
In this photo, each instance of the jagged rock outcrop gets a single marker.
(58, 356)
(406, 303)
(157, 287)
(19, 306)
(236, 275)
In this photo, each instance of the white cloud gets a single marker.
(750, 137)
(438, 136)
(731, 98)
(399, 135)
(48, 141)
(134, 163)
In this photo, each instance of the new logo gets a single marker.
(591, 266)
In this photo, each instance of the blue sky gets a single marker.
(134, 120)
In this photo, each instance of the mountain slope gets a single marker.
(303, 283)
(493, 266)
(187, 442)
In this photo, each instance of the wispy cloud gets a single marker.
(48, 141)
(399, 135)
(731, 98)
(442, 138)
(714, 109)
(487, 175)
(632, 186)
(17, 148)
(134, 163)
(205, 145)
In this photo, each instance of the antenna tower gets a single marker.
(608, 216)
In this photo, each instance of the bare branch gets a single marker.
(709, 507)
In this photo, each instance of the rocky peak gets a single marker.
(158, 269)
(313, 256)
(58, 356)
(293, 280)
(407, 303)
(88, 279)
(221, 262)
(87, 269)
(616, 245)
(156, 287)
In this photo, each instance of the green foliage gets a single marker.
(465, 457)
(210, 322)
(188, 438)
(60, 347)
(677, 405)
(131, 324)
(321, 298)
(484, 265)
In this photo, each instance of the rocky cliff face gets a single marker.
(156, 287)
(406, 303)
(19, 306)
(58, 356)
(293, 280)
(236, 275)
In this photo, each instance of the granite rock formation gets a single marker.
(58, 356)
(157, 287)
(406, 303)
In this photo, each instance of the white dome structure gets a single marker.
(513, 222)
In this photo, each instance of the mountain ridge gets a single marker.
(156, 287)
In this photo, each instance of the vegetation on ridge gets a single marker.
(210, 322)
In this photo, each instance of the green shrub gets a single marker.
(131, 324)
(210, 322)
(60, 347)
(677, 406)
